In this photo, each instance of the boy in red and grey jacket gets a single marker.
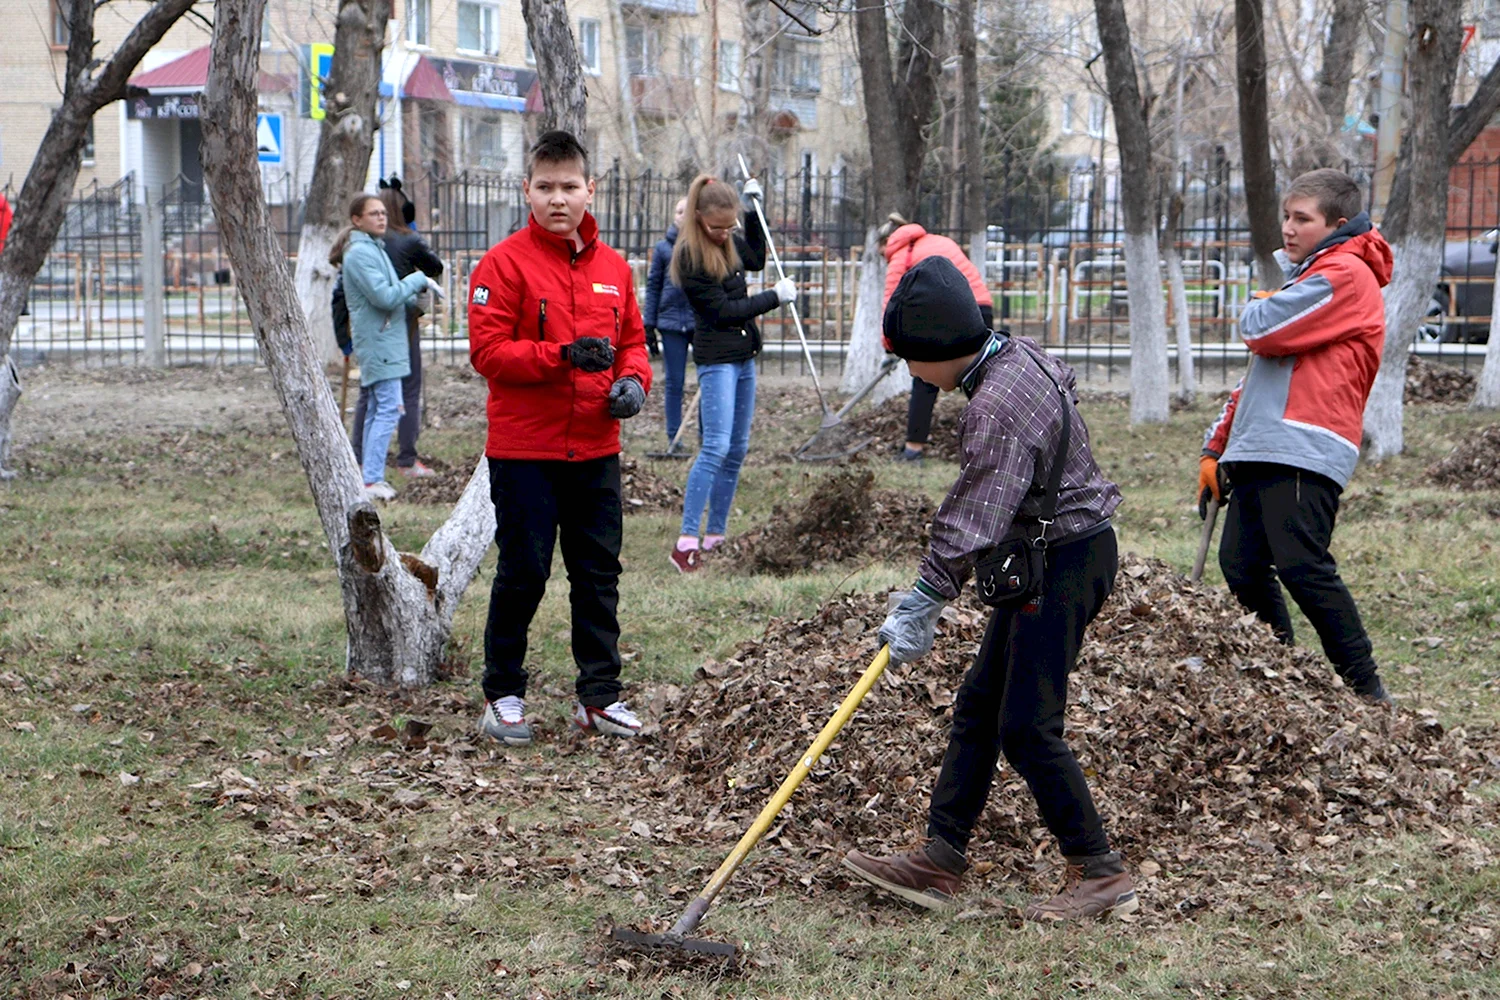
(1288, 438)
(555, 329)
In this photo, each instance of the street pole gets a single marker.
(1388, 105)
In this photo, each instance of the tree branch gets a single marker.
(1468, 121)
(779, 5)
(109, 85)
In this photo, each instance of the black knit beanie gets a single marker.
(932, 315)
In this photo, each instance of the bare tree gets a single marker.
(398, 607)
(1415, 225)
(970, 131)
(900, 96)
(1187, 380)
(1148, 342)
(345, 141)
(1255, 140)
(1487, 392)
(88, 85)
(1338, 61)
(558, 66)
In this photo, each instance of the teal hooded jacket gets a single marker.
(377, 309)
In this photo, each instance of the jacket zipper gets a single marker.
(616, 310)
(541, 320)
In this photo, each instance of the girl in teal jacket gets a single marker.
(377, 302)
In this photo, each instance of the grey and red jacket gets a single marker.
(1314, 350)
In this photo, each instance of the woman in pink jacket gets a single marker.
(904, 243)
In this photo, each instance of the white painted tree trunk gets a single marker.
(10, 394)
(1187, 378)
(315, 278)
(866, 348)
(1413, 277)
(1486, 393)
(1149, 375)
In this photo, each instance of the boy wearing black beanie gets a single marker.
(1013, 697)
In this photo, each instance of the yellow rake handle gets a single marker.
(699, 906)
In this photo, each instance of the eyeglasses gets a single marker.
(721, 230)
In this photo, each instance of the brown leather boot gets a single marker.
(930, 877)
(1092, 887)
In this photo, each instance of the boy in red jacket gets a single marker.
(1289, 436)
(555, 329)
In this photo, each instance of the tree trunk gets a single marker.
(10, 394)
(558, 67)
(971, 141)
(1416, 233)
(341, 170)
(42, 205)
(1148, 341)
(1486, 393)
(398, 608)
(1338, 62)
(867, 355)
(629, 123)
(1255, 140)
(1187, 380)
(919, 62)
(871, 39)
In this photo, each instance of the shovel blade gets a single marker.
(635, 939)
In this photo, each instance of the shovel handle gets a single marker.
(1207, 539)
(695, 911)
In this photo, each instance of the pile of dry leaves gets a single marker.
(1435, 382)
(844, 519)
(1473, 465)
(1211, 747)
(887, 424)
(642, 489)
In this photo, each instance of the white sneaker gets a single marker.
(616, 720)
(380, 491)
(505, 720)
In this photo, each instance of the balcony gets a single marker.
(685, 7)
(662, 96)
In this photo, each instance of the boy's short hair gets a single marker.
(557, 146)
(1336, 193)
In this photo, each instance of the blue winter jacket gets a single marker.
(377, 301)
(666, 307)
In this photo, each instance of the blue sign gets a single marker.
(268, 137)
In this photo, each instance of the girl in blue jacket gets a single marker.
(377, 301)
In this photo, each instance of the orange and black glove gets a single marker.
(1212, 485)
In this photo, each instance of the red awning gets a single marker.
(191, 71)
(425, 83)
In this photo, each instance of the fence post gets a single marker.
(153, 285)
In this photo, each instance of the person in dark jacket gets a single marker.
(668, 314)
(709, 265)
(1014, 697)
(409, 253)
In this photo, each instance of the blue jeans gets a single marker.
(726, 409)
(674, 350)
(380, 422)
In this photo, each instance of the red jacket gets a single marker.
(5, 217)
(912, 243)
(530, 295)
(1314, 350)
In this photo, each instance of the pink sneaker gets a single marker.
(686, 560)
(416, 470)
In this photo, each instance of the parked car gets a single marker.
(1473, 259)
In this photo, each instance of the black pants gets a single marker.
(535, 502)
(924, 397)
(410, 424)
(1278, 527)
(1013, 698)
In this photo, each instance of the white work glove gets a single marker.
(910, 629)
(752, 190)
(436, 289)
(786, 290)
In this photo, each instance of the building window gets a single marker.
(88, 144)
(797, 66)
(60, 32)
(418, 19)
(588, 45)
(848, 82)
(485, 145)
(690, 57)
(729, 65)
(1096, 116)
(642, 50)
(1069, 115)
(478, 27)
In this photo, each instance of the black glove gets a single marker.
(590, 354)
(653, 342)
(626, 397)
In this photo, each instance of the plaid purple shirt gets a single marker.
(1007, 436)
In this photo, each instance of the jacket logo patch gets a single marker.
(602, 289)
(481, 296)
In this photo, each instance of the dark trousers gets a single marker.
(924, 397)
(411, 400)
(1276, 532)
(1013, 698)
(535, 503)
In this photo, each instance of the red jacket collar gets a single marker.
(588, 229)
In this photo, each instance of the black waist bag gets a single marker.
(1010, 574)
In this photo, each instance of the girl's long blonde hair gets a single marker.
(341, 242)
(695, 253)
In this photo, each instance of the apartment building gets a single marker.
(674, 86)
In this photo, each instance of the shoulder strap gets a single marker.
(1054, 477)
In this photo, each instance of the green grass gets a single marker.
(174, 619)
